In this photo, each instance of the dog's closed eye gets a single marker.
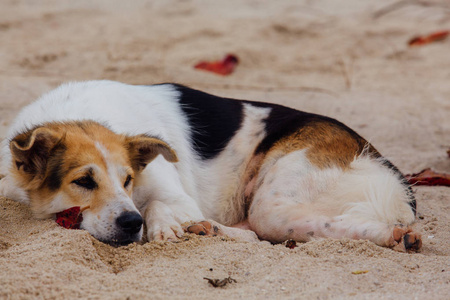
(86, 182)
(127, 181)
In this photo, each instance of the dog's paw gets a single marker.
(405, 239)
(166, 232)
(212, 228)
(164, 222)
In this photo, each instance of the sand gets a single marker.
(336, 58)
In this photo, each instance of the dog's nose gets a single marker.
(130, 222)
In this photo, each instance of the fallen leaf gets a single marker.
(428, 177)
(222, 67)
(433, 37)
(360, 272)
(448, 153)
(220, 282)
(291, 244)
(70, 218)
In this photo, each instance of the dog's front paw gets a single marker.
(164, 232)
(164, 222)
(203, 228)
(212, 228)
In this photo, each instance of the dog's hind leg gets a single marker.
(296, 200)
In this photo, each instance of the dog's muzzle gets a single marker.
(129, 224)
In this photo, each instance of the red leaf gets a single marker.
(222, 67)
(429, 177)
(433, 37)
(70, 218)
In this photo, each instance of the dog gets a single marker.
(180, 160)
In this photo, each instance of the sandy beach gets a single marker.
(349, 60)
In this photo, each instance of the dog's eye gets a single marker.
(127, 181)
(86, 182)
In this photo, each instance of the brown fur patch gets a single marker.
(69, 159)
(249, 179)
(328, 145)
(66, 152)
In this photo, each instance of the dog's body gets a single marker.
(282, 173)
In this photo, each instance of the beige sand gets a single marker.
(318, 56)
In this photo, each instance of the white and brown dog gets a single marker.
(248, 167)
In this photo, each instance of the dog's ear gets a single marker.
(143, 149)
(30, 151)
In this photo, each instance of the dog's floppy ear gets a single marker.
(143, 149)
(30, 151)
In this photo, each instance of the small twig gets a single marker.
(400, 4)
(220, 282)
(359, 272)
(391, 7)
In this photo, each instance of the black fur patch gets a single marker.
(409, 191)
(214, 120)
(412, 201)
(284, 121)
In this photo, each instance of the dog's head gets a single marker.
(62, 165)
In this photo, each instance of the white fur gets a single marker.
(131, 110)
(220, 179)
(296, 198)
(99, 224)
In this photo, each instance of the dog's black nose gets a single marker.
(130, 222)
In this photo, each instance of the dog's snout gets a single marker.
(130, 222)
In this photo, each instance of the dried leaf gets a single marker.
(70, 218)
(428, 177)
(360, 272)
(220, 282)
(222, 67)
(291, 244)
(433, 37)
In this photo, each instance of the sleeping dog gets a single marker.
(177, 160)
